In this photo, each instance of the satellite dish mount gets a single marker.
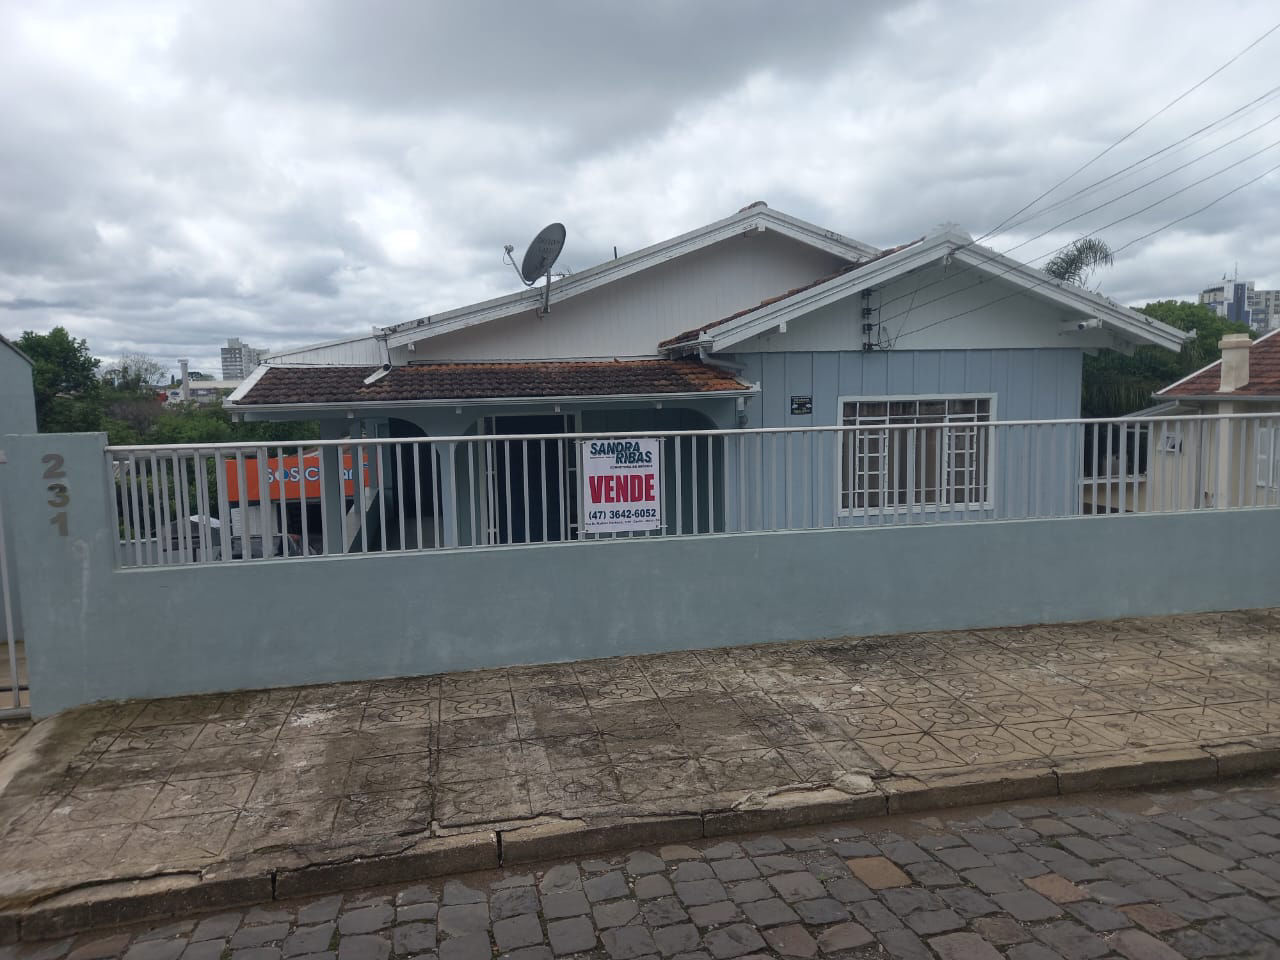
(541, 256)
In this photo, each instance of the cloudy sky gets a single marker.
(173, 174)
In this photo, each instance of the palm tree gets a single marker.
(1077, 262)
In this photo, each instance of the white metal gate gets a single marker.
(14, 699)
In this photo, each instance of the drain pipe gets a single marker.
(727, 366)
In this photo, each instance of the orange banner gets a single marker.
(296, 477)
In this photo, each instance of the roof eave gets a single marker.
(342, 407)
(246, 385)
(1211, 397)
(1120, 320)
(5, 341)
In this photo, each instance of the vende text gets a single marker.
(628, 488)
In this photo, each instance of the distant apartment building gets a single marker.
(1240, 302)
(1265, 307)
(1229, 299)
(239, 359)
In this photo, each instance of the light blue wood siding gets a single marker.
(1034, 471)
(1028, 384)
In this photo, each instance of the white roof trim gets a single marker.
(6, 342)
(1122, 321)
(1209, 366)
(750, 218)
(247, 384)
(588, 398)
(281, 356)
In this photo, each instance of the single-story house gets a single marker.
(759, 320)
(1229, 463)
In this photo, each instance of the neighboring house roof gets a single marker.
(6, 342)
(1128, 326)
(756, 216)
(450, 382)
(1264, 375)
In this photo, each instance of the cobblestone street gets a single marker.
(1191, 872)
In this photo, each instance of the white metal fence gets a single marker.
(227, 503)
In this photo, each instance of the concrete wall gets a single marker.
(95, 632)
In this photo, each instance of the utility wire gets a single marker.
(1108, 203)
(1088, 163)
(1010, 269)
(995, 255)
(1175, 147)
(1048, 280)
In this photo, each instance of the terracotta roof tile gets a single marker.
(1264, 375)
(476, 381)
(689, 336)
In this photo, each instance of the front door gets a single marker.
(531, 484)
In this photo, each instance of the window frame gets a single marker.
(988, 501)
(1268, 477)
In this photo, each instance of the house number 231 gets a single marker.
(59, 495)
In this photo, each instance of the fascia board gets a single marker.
(490, 401)
(1122, 320)
(246, 384)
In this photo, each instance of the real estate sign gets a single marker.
(621, 485)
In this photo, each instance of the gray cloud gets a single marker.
(297, 171)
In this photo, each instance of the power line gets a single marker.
(996, 254)
(1178, 99)
(1007, 270)
(1047, 280)
(1270, 146)
(1174, 147)
(1247, 183)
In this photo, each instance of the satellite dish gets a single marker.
(542, 253)
(539, 259)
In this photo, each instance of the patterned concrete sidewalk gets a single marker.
(300, 789)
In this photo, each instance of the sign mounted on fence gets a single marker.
(621, 485)
(300, 479)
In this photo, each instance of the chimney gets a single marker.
(1235, 361)
(186, 381)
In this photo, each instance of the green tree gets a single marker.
(68, 392)
(1114, 385)
(135, 373)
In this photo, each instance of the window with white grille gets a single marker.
(1268, 455)
(938, 452)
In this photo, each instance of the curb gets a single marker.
(133, 901)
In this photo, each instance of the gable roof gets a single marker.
(1264, 375)
(754, 217)
(692, 336)
(1124, 323)
(453, 382)
(6, 342)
